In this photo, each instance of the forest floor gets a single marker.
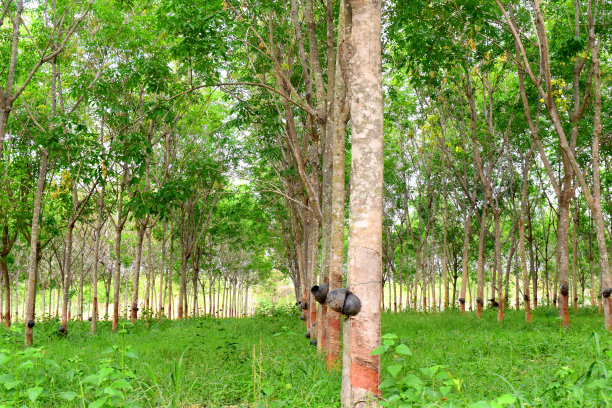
(266, 361)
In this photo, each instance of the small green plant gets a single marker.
(107, 387)
(433, 387)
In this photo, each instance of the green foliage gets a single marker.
(454, 361)
(269, 309)
(195, 362)
(438, 361)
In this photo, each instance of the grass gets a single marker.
(493, 358)
(266, 361)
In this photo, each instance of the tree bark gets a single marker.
(340, 116)
(575, 229)
(361, 370)
(524, 210)
(7, 292)
(480, 298)
(467, 223)
(32, 267)
(67, 273)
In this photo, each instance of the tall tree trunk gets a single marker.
(246, 301)
(563, 255)
(467, 223)
(444, 258)
(211, 294)
(149, 273)
(142, 228)
(361, 370)
(162, 272)
(575, 229)
(4, 114)
(480, 298)
(94, 275)
(521, 227)
(508, 268)
(532, 262)
(119, 224)
(591, 265)
(7, 292)
(500, 307)
(81, 277)
(34, 247)
(107, 288)
(117, 278)
(595, 202)
(183, 284)
(195, 272)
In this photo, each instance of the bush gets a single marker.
(267, 308)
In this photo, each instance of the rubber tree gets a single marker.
(360, 369)
(544, 85)
(28, 64)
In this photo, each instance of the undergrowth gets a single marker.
(265, 361)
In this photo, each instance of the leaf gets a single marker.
(413, 381)
(113, 392)
(67, 395)
(51, 363)
(267, 390)
(33, 393)
(444, 390)
(4, 378)
(122, 385)
(26, 364)
(91, 379)
(98, 403)
(12, 384)
(388, 343)
(387, 382)
(379, 350)
(389, 336)
(4, 358)
(506, 399)
(403, 349)
(394, 370)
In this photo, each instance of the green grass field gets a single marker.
(267, 361)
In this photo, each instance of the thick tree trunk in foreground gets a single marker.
(361, 370)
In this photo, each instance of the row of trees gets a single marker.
(144, 120)
(498, 88)
(113, 127)
(494, 129)
(106, 138)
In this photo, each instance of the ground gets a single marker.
(267, 361)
